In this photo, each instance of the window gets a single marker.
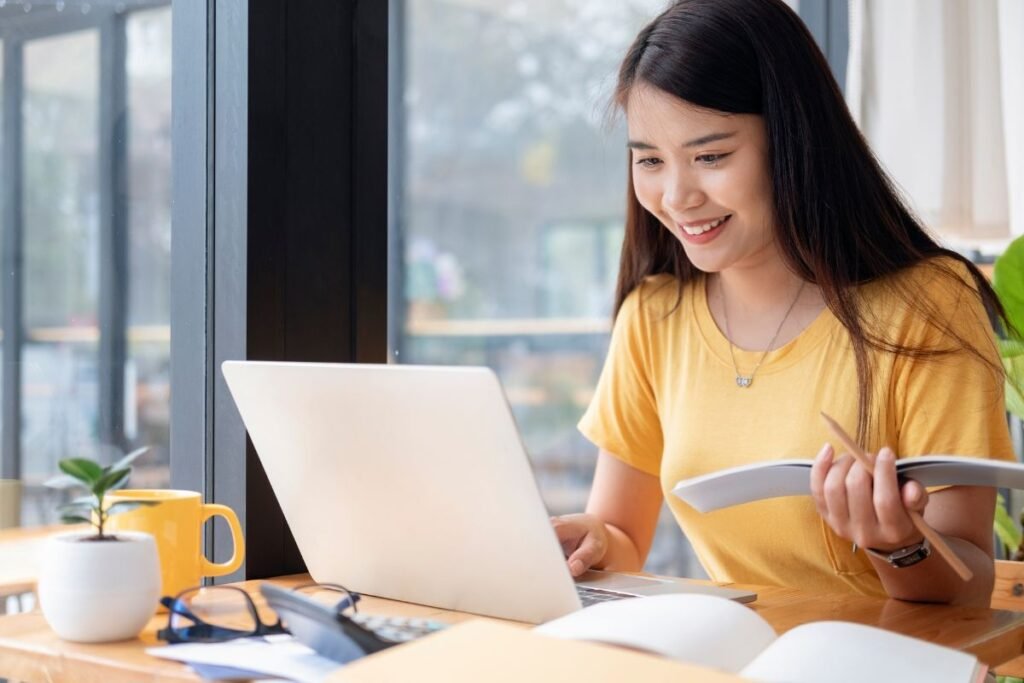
(86, 242)
(511, 195)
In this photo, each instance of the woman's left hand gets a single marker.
(871, 512)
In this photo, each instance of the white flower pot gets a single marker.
(98, 591)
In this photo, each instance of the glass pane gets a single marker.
(512, 192)
(59, 365)
(147, 381)
(95, 140)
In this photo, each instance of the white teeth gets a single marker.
(703, 228)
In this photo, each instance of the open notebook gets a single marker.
(726, 636)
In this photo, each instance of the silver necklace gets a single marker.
(744, 381)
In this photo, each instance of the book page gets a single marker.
(770, 479)
(942, 470)
(843, 652)
(775, 478)
(699, 629)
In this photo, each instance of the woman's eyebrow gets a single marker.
(637, 144)
(705, 139)
(696, 142)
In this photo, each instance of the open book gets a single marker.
(775, 478)
(724, 635)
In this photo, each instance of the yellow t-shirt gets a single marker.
(667, 403)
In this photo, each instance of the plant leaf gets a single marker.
(110, 480)
(75, 519)
(129, 505)
(1012, 352)
(1005, 529)
(129, 459)
(63, 481)
(85, 471)
(75, 509)
(1008, 281)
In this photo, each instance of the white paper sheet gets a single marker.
(699, 629)
(277, 656)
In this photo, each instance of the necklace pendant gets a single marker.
(744, 381)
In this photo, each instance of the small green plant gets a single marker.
(99, 481)
(1007, 531)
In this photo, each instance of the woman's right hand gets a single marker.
(584, 540)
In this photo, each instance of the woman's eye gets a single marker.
(648, 162)
(710, 159)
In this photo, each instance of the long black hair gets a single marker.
(838, 218)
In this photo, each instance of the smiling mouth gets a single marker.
(701, 228)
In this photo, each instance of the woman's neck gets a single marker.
(757, 290)
(756, 305)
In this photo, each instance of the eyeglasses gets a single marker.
(213, 614)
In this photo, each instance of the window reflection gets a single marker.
(148, 400)
(93, 118)
(511, 212)
(61, 256)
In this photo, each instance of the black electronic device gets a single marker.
(336, 634)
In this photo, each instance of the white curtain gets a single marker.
(936, 87)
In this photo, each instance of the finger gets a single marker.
(915, 496)
(586, 556)
(835, 493)
(860, 500)
(892, 513)
(570, 534)
(563, 527)
(820, 468)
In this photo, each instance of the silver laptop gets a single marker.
(411, 483)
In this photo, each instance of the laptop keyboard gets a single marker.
(592, 596)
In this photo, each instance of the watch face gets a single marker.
(910, 556)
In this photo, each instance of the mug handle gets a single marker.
(207, 568)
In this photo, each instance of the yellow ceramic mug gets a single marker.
(177, 525)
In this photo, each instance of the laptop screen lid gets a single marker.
(406, 482)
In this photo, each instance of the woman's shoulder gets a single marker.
(938, 282)
(658, 295)
(926, 300)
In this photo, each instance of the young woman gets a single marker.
(770, 271)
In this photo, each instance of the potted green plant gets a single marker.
(95, 586)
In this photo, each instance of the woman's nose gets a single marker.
(681, 195)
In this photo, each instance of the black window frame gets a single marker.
(280, 240)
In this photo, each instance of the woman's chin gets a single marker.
(703, 261)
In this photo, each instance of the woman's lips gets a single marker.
(704, 237)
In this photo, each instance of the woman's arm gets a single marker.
(618, 527)
(872, 511)
(963, 515)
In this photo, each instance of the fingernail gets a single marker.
(576, 567)
(886, 455)
(825, 453)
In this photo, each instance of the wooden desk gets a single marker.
(30, 652)
(18, 565)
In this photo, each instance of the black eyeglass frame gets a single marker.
(217, 634)
(175, 606)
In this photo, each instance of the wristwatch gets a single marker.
(904, 557)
